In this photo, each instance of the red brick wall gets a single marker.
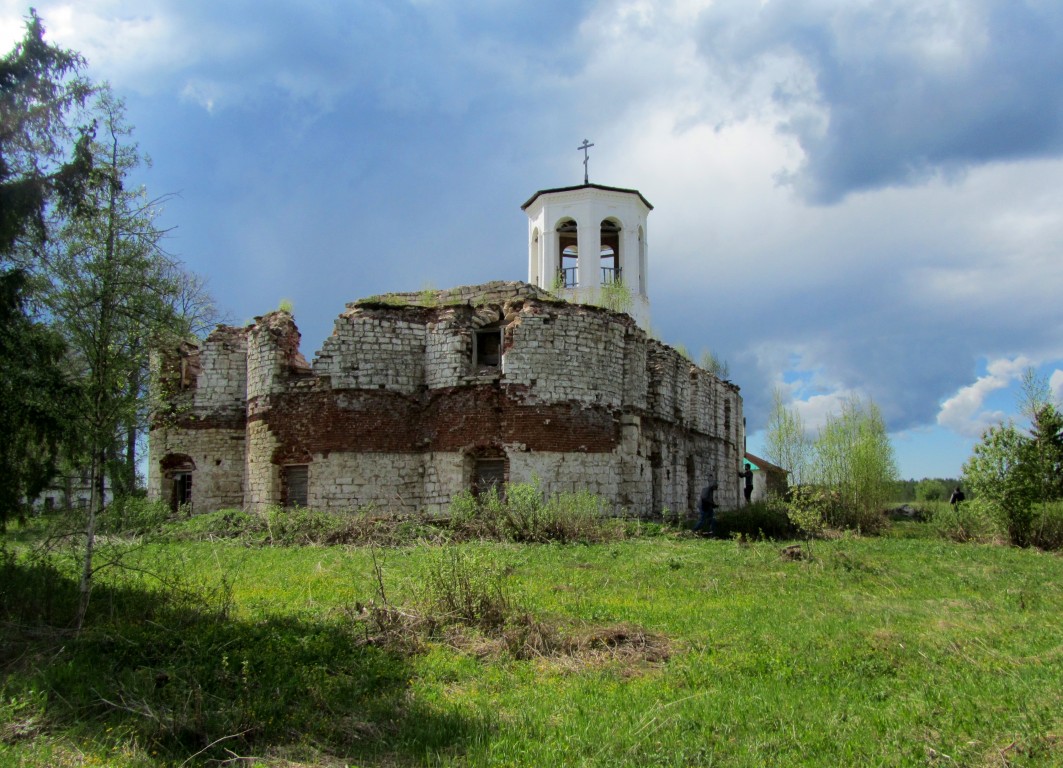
(321, 421)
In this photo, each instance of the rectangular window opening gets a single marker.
(296, 483)
(182, 490)
(488, 474)
(487, 348)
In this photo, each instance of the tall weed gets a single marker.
(467, 588)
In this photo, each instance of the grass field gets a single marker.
(664, 650)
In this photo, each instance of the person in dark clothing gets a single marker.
(956, 497)
(748, 477)
(707, 506)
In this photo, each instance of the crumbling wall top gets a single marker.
(495, 292)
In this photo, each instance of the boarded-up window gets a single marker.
(296, 481)
(488, 474)
(488, 348)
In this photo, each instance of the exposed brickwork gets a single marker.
(397, 406)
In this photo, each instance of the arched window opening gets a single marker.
(610, 252)
(177, 469)
(568, 252)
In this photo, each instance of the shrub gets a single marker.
(967, 521)
(1046, 531)
(807, 509)
(290, 526)
(853, 457)
(133, 515)
(759, 520)
(1000, 472)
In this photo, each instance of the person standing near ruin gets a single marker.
(748, 477)
(707, 506)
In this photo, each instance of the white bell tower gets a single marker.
(588, 244)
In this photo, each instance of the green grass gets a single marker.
(891, 651)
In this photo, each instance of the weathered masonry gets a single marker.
(418, 396)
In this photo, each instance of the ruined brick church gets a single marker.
(418, 396)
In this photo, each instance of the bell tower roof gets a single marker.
(601, 187)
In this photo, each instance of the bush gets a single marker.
(133, 515)
(292, 526)
(807, 509)
(1046, 530)
(967, 521)
(1000, 473)
(759, 520)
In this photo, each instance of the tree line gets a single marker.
(87, 288)
(846, 475)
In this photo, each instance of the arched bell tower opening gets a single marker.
(588, 239)
(568, 253)
(610, 252)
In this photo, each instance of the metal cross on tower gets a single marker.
(585, 146)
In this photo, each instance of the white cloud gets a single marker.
(963, 413)
(131, 46)
(1055, 384)
(201, 92)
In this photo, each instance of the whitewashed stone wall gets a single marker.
(353, 481)
(573, 355)
(222, 382)
(263, 487)
(370, 350)
(597, 473)
(448, 352)
(218, 480)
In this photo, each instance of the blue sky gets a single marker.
(853, 197)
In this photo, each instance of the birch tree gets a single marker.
(786, 443)
(114, 290)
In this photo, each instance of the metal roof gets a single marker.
(602, 187)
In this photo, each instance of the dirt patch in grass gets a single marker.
(522, 637)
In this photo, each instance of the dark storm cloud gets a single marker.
(892, 93)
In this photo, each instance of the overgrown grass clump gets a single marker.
(299, 526)
(523, 513)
